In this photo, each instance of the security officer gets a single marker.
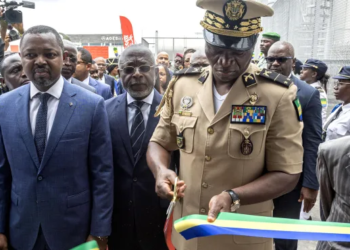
(240, 147)
(266, 42)
(313, 71)
(338, 123)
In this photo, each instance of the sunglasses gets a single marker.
(278, 59)
(142, 69)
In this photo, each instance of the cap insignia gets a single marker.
(234, 10)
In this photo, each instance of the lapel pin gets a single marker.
(70, 104)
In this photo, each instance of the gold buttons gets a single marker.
(210, 131)
(202, 211)
(205, 185)
(207, 158)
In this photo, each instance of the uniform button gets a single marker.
(135, 179)
(207, 158)
(40, 178)
(202, 211)
(205, 185)
(211, 131)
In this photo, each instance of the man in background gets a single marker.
(94, 70)
(187, 57)
(70, 64)
(163, 58)
(199, 60)
(102, 76)
(280, 59)
(179, 63)
(267, 40)
(82, 74)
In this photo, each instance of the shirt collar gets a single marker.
(346, 107)
(102, 79)
(55, 90)
(316, 84)
(87, 80)
(148, 99)
(70, 80)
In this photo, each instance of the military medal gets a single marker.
(186, 103)
(253, 99)
(180, 140)
(247, 144)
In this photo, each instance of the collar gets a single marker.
(70, 80)
(55, 90)
(346, 107)
(102, 79)
(148, 99)
(87, 80)
(316, 84)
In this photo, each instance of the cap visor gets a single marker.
(341, 77)
(228, 42)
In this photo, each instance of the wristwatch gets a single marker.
(236, 203)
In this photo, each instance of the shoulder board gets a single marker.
(275, 77)
(249, 80)
(188, 71)
(320, 89)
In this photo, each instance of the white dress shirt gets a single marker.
(324, 100)
(339, 127)
(87, 80)
(146, 108)
(52, 104)
(70, 80)
(103, 80)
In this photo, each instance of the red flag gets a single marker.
(128, 33)
(168, 228)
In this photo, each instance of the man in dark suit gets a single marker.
(139, 217)
(56, 169)
(102, 76)
(280, 59)
(82, 74)
(70, 64)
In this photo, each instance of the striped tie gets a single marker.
(137, 129)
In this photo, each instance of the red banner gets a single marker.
(128, 33)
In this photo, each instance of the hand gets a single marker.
(219, 203)
(309, 197)
(18, 27)
(101, 244)
(3, 242)
(7, 42)
(164, 185)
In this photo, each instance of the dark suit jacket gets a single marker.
(139, 214)
(110, 81)
(83, 85)
(334, 174)
(70, 194)
(102, 89)
(312, 134)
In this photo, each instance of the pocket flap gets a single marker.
(252, 128)
(78, 199)
(183, 122)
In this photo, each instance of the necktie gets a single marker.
(335, 117)
(137, 129)
(40, 126)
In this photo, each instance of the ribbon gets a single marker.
(195, 226)
(91, 245)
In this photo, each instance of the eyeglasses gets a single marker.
(339, 84)
(142, 69)
(278, 59)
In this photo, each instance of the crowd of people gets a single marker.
(90, 148)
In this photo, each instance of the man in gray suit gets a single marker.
(69, 65)
(333, 174)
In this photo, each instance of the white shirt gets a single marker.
(324, 100)
(103, 80)
(218, 99)
(52, 104)
(70, 80)
(146, 108)
(86, 81)
(339, 127)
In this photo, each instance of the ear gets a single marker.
(294, 61)
(88, 66)
(314, 74)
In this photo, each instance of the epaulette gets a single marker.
(275, 77)
(188, 71)
(249, 80)
(320, 89)
(166, 100)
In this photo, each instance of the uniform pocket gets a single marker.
(78, 199)
(186, 126)
(237, 135)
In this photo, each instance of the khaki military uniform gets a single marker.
(211, 159)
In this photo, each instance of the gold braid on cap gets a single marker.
(167, 98)
(228, 32)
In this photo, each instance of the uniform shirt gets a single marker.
(324, 100)
(52, 104)
(211, 157)
(146, 108)
(262, 62)
(340, 127)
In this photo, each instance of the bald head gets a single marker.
(199, 59)
(163, 58)
(136, 50)
(69, 44)
(102, 66)
(280, 58)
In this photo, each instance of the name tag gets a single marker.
(245, 114)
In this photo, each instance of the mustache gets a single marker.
(41, 70)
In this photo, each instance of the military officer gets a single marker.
(313, 71)
(238, 129)
(267, 40)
